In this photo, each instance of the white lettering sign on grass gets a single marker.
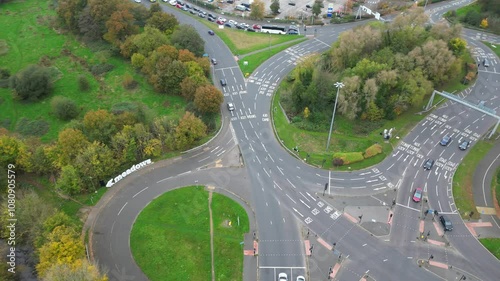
(132, 169)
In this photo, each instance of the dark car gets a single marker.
(188, 6)
(239, 26)
(445, 140)
(464, 144)
(486, 63)
(447, 225)
(196, 9)
(292, 32)
(417, 195)
(293, 27)
(210, 19)
(223, 82)
(228, 24)
(211, 16)
(184, 8)
(211, 32)
(428, 164)
(250, 29)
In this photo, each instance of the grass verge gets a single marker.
(462, 180)
(492, 244)
(170, 239)
(493, 47)
(257, 59)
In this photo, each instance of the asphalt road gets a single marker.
(283, 189)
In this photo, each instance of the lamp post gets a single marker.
(338, 85)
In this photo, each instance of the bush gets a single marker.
(101, 68)
(372, 151)
(32, 83)
(64, 108)
(83, 83)
(128, 82)
(337, 162)
(32, 127)
(349, 157)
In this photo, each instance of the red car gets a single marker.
(256, 27)
(417, 195)
(178, 6)
(220, 22)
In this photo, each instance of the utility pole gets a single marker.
(338, 85)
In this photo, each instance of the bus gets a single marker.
(273, 29)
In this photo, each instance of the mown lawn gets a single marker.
(170, 239)
(257, 59)
(493, 47)
(462, 180)
(25, 28)
(492, 244)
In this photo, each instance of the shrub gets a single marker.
(128, 82)
(32, 83)
(337, 162)
(101, 68)
(372, 151)
(4, 47)
(32, 127)
(83, 83)
(349, 157)
(64, 108)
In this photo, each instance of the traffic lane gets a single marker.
(405, 225)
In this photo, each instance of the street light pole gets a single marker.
(338, 85)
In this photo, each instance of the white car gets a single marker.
(137, 1)
(221, 19)
(282, 277)
(301, 278)
(233, 22)
(173, 2)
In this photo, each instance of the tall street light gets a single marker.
(338, 85)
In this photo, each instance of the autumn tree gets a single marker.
(349, 97)
(99, 125)
(484, 23)
(14, 151)
(434, 58)
(457, 46)
(101, 11)
(186, 37)
(189, 85)
(70, 143)
(186, 55)
(257, 10)
(81, 270)
(124, 145)
(95, 163)
(144, 43)
(68, 11)
(208, 99)
(189, 130)
(169, 80)
(63, 247)
(163, 22)
(275, 7)
(119, 27)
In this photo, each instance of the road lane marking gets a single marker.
(140, 192)
(122, 208)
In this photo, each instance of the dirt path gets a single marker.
(211, 234)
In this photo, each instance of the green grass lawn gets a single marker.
(462, 180)
(461, 12)
(170, 239)
(257, 59)
(493, 47)
(26, 31)
(492, 244)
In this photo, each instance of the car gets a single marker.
(293, 27)
(201, 15)
(203, 12)
(464, 144)
(230, 106)
(250, 30)
(192, 12)
(233, 22)
(178, 5)
(308, 6)
(486, 63)
(445, 140)
(239, 26)
(256, 26)
(211, 16)
(282, 277)
(137, 1)
(219, 22)
(447, 225)
(173, 2)
(210, 19)
(301, 278)
(223, 82)
(188, 6)
(417, 195)
(196, 9)
(292, 32)
(214, 61)
(223, 20)
(211, 32)
(246, 5)
(428, 164)
(228, 24)
(184, 9)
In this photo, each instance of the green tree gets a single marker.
(155, 8)
(68, 11)
(99, 125)
(163, 22)
(14, 151)
(124, 145)
(275, 6)
(208, 99)
(70, 143)
(457, 46)
(138, 60)
(257, 10)
(170, 80)
(96, 162)
(32, 83)
(186, 37)
(189, 130)
(69, 182)
(317, 6)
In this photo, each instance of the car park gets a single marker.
(223, 82)
(283, 277)
(428, 164)
(214, 61)
(417, 195)
(230, 106)
(447, 225)
(464, 144)
(445, 140)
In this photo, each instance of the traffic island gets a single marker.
(445, 271)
